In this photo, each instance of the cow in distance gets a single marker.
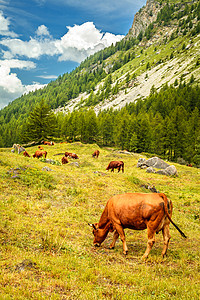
(39, 153)
(64, 160)
(115, 165)
(25, 153)
(48, 143)
(72, 155)
(96, 153)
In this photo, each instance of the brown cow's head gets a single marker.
(100, 233)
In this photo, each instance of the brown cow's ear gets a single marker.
(92, 225)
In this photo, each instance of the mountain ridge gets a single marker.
(184, 53)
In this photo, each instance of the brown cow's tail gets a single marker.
(122, 166)
(167, 213)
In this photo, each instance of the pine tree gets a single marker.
(91, 126)
(41, 123)
(106, 128)
(133, 145)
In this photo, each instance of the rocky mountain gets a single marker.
(144, 17)
(162, 47)
(167, 51)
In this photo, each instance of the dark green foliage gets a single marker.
(40, 124)
(149, 31)
(140, 36)
(166, 123)
(165, 14)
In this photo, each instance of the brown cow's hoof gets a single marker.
(125, 252)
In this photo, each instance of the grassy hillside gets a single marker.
(46, 245)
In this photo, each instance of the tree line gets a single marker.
(96, 69)
(167, 123)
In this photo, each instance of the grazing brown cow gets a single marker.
(39, 153)
(40, 147)
(72, 155)
(136, 211)
(26, 154)
(116, 165)
(96, 153)
(64, 160)
(48, 143)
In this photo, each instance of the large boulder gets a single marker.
(155, 162)
(18, 148)
(150, 170)
(169, 171)
(141, 162)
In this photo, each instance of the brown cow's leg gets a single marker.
(166, 238)
(151, 241)
(115, 237)
(121, 233)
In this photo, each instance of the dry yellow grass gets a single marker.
(46, 248)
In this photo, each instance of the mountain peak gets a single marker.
(145, 16)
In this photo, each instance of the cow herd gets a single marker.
(119, 165)
(137, 211)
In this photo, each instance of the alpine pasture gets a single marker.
(46, 245)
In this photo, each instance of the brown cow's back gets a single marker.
(132, 210)
(96, 153)
(39, 153)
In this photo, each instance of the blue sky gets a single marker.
(42, 39)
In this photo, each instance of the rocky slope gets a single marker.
(158, 60)
(144, 17)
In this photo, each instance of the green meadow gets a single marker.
(46, 245)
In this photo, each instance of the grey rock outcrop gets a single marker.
(144, 17)
(141, 162)
(18, 148)
(169, 171)
(46, 169)
(151, 170)
(156, 162)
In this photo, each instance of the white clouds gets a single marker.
(17, 64)
(4, 26)
(48, 76)
(79, 42)
(11, 86)
(81, 37)
(42, 31)
(32, 49)
(33, 87)
(82, 41)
